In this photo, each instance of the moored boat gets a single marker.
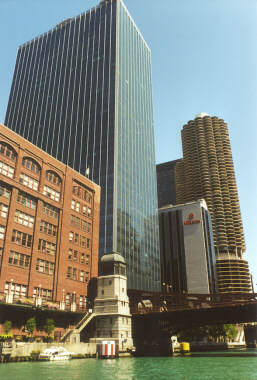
(55, 353)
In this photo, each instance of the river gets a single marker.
(173, 368)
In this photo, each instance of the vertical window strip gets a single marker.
(27, 86)
(16, 77)
(67, 78)
(47, 36)
(42, 64)
(50, 95)
(80, 81)
(73, 89)
(48, 80)
(84, 111)
(16, 112)
(96, 90)
(90, 94)
(62, 86)
(32, 114)
(103, 94)
(107, 127)
(31, 79)
(56, 91)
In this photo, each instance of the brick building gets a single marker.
(49, 226)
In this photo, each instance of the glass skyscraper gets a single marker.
(83, 93)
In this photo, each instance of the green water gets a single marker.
(177, 368)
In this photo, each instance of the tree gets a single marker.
(31, 325)
(216, 333)
(49, 326)
(7, 327)
(230, 332)
(193, 334)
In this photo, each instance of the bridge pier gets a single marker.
(150, 341)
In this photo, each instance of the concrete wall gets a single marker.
(24, 349)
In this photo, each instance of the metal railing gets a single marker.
(175, 302)
(39, 302)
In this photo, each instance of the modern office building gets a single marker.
(207, 171)
(187, 250)
(166, 184)
(49, 227)
(83, 93)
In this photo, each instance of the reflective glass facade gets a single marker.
(166, 185)
(83, 93)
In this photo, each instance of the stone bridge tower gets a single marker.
(113, 318)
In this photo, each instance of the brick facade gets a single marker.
(49, 224)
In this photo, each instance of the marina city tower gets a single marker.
(207, 171)
(83, 93)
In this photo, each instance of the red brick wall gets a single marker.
(58, 283)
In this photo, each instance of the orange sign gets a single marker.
(191, 219)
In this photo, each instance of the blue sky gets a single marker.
(204, 59)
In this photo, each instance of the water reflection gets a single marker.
(175, 368)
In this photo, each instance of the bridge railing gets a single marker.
(175, 302)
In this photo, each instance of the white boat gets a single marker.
(55, 353)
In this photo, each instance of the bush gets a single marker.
(48, 339)
(7, 326)
(49, 326)
(6, 337)
(31, 325)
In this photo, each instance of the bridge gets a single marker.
(156, 317)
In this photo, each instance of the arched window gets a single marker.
(7, 151)
(31, 165)
(53, 177)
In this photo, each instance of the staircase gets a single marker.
(79, 326)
